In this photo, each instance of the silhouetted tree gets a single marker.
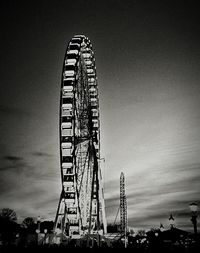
(141, 233)
(47, 225)
(29, 224)
(8, 225)
(132, 232)
(8, 214)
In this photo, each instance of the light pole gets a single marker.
(38, 222)
(194, 208)
(38, 229)
(171, 221)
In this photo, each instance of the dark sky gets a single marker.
(148, 65)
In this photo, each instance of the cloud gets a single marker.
(13, 158)
(25, 184)
(41, 154)
(10, 162)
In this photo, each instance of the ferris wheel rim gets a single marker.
(75, 65)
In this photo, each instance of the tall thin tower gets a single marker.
(123, 206)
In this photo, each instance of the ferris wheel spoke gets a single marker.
(83, 171)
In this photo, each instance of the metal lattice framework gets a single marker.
(123, 205)
(81, 207)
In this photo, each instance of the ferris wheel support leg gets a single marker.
(97, 192)
(57, 213)
(59, 222)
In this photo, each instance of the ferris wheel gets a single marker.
(81, 207)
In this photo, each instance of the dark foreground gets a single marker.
(62, 248)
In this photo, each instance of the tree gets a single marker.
(8, 214)
(8, 225)
(141, 233)
(132, 232)
(47, 225)
(28, 223)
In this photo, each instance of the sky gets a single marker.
(148, 65)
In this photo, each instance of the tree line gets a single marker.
(10, 229)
